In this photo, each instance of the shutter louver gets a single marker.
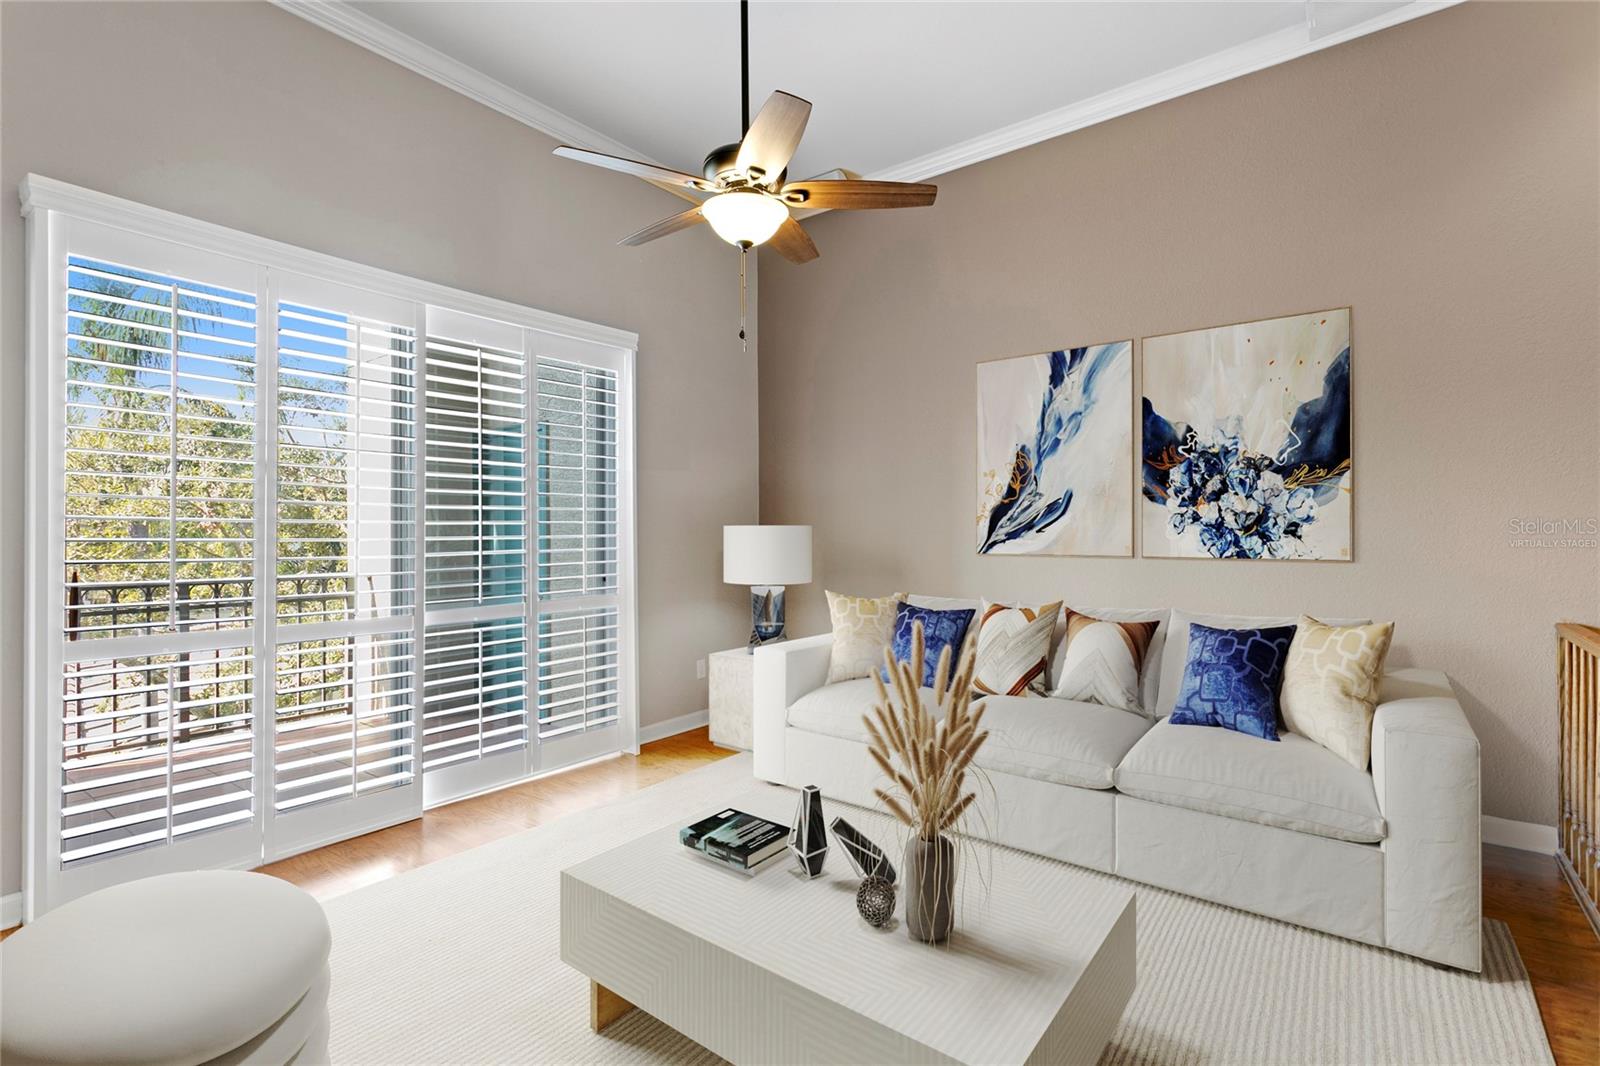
(160, 453)
(577, 479)
(342, 725)
(578, 671)
(476, 517)
(154, 748)
(476, 700)
(346, 467)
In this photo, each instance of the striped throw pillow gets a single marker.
(1013, 656)
(1103, 661)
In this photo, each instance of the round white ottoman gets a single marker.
(211, 967)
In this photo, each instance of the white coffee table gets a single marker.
(777, 968)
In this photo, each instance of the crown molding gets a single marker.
(1235, 62)
(1270, 50)
(360, 28)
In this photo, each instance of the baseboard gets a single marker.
(673, 726)
(1528, 836)
(10, 910)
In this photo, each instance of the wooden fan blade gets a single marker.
(857, 195)
(671, 224)
(770, 141)
(694, 196)
(647, 171)
(836, 174)
(793, 243)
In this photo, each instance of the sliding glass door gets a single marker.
(308, 553)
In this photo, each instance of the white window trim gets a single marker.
(44, 201)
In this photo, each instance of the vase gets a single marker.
(808, 837)
(930, 884)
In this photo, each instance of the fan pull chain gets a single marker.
(744, 254)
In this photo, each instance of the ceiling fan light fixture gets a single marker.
(744, 217)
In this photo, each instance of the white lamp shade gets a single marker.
(766, 555)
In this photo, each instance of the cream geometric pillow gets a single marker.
(1330, 685)
(1013, 657)
(1104, 661)
(862, 627)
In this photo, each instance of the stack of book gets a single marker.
(735, 839)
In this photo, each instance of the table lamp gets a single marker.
(766, 558)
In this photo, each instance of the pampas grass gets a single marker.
(926, 757)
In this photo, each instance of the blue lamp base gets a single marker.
(766, 615)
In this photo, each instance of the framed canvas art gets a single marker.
(1055, 453)
(1245, 448)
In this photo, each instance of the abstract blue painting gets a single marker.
(1055, 453)
(1246, 441)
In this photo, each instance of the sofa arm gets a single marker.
(783, 673)
(1425, 770)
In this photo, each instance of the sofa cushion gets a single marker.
(1294, 784)
(1063, 741)
(837, 710)
(1046, 739)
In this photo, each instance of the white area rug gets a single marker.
(459, 962)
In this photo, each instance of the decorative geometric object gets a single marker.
(866, 858)
(926, 756)
(1103, 662)
(1055, 453)
(934, 630)
(1246, 441)
(1330, 685)
(862, 625)
(808, 837)
(1014, 649)
(1232, 679)
(875, 901)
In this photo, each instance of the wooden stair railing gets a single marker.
(1578, 700)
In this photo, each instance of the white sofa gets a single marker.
(1389, 856)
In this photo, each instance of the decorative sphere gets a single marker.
(875, 901)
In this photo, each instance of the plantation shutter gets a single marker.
(475, 704)
(154, 715)
(346, 546)
(578, 508)
(311, 546)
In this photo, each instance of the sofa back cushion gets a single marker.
(1175, 653)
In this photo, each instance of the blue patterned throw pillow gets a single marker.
(940, 629)
(1232, 679)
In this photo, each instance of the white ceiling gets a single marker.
(903, 90)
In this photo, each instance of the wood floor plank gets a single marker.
(1523, 889)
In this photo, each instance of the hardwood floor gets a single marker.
(455, 827)
(1558, 946)
(1521, 888)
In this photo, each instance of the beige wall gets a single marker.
(1441, 177)
(247, 116)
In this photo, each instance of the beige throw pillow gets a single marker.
(862, 627)
(1330, 685)
(1013, 657)
(1103, 661)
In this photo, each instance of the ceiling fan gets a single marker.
(744, 191)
